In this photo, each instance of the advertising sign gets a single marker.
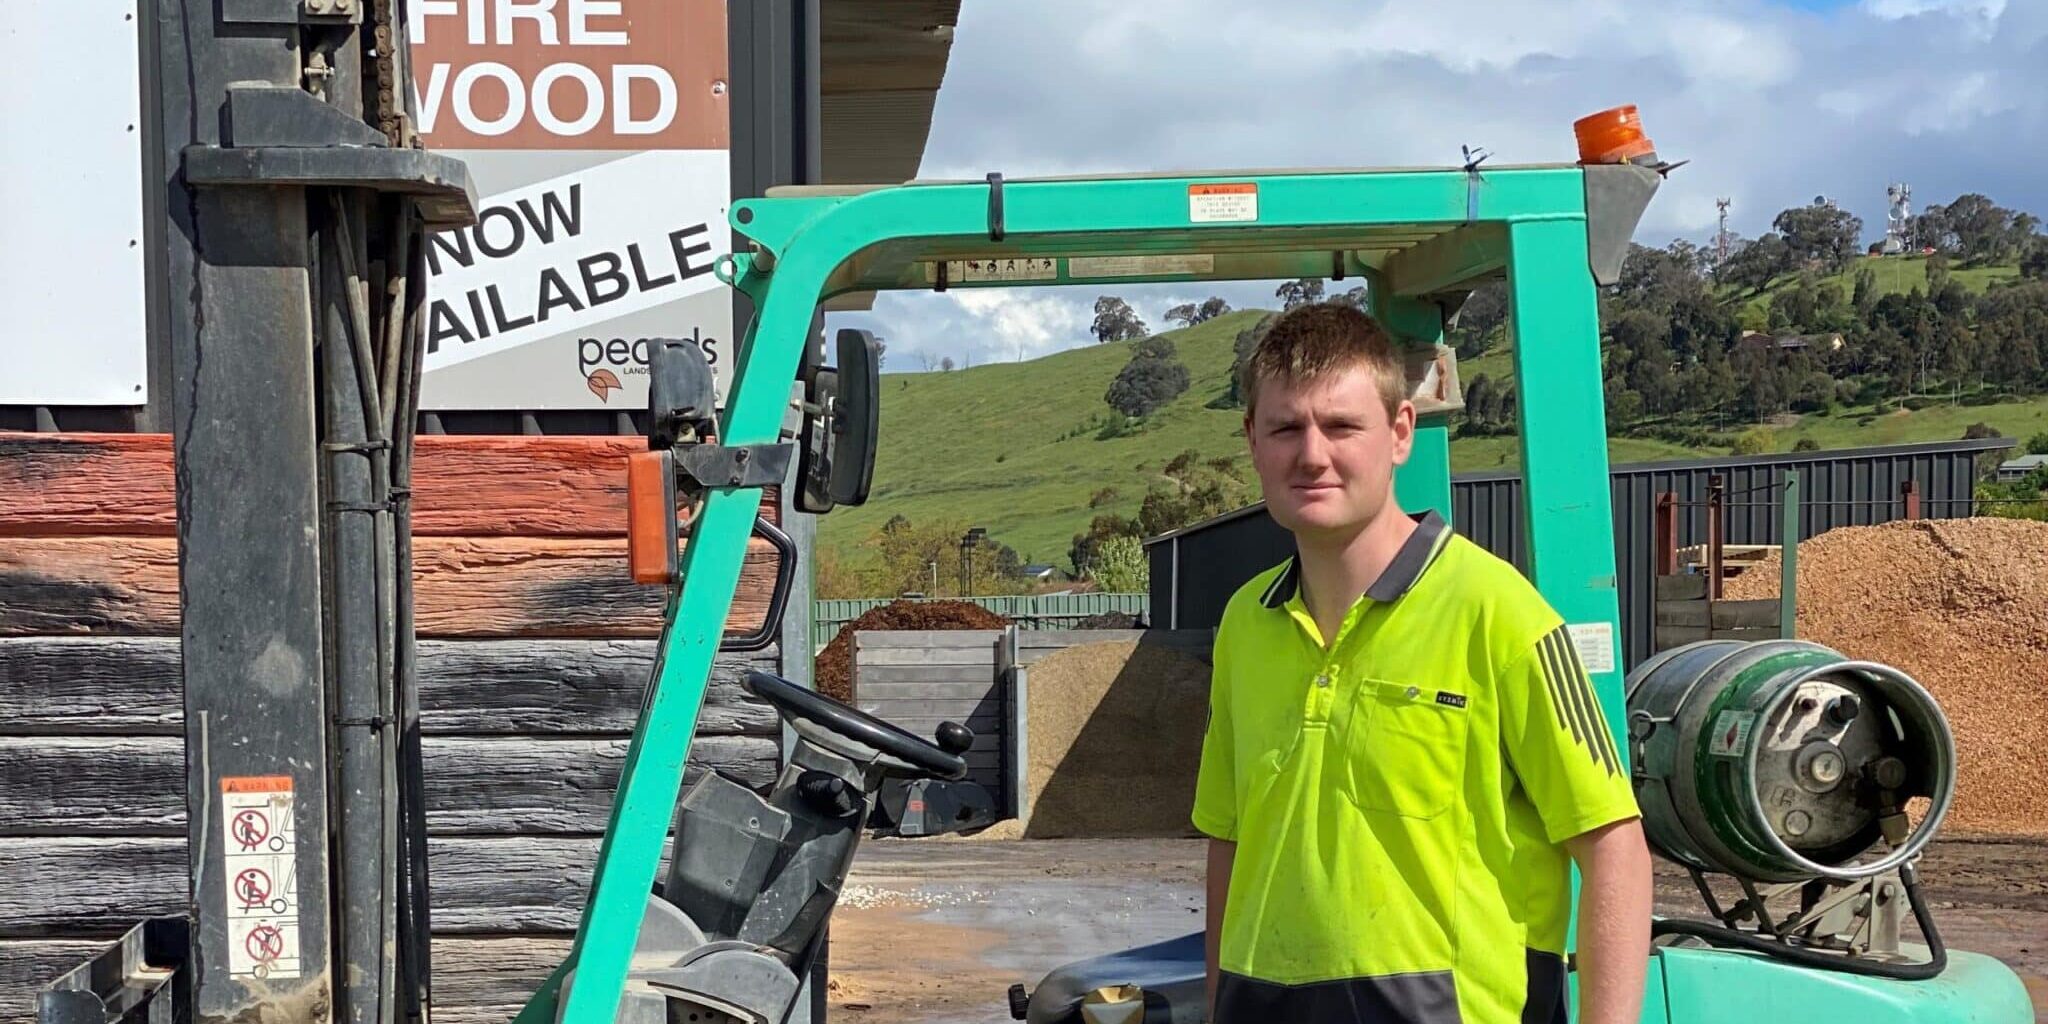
(73, 314)
(596, 132)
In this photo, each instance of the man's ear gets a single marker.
(1404, 432)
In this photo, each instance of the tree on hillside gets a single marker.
(1657, 279)
(2034, 261)
(1198, 490)
(1119, 565)
(1151, 379)
(1820, 233)
(1976, 229)
(1115, 320)
(1153, 347)
(1188, 314)
(1484, 312)
(946, 364)
(2012, 329)
(1482, 407)
(1299, 292)
(1757, 264)
(1813, 306)
(1081, 554)
(1865, 295)
(1241, 350)
(1354, 297)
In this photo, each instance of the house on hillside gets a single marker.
(1827, 342)
(1040, 573)
(2018, 469)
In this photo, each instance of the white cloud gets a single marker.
(1029, 323)
(1772, 105)
(1894, 9)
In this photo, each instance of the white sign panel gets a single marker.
(259, 853)
(563, 256)
(596, 133)
(1595, 644)
(73, 319)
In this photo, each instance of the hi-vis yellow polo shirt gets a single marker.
(1398, 795)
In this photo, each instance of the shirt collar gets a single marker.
(1395, 580)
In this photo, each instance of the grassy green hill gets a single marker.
(1019, 448)
(1893, 274)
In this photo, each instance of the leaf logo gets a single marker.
(602, 383)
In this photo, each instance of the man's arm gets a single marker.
(1615, 902)
(1221, 856)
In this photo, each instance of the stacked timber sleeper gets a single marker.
(534, 652)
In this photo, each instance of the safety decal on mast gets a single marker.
(1222, 202)
(260, 865)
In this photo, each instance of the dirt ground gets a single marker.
(935, 931)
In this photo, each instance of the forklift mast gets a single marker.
(296, 197)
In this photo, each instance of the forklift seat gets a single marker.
(1171, 973)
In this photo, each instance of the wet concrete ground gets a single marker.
(935, 931)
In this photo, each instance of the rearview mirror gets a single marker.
(859, 423)
(842, 426)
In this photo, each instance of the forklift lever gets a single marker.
(778, 599)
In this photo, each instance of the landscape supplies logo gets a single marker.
(601, 362)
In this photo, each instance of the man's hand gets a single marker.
(1615, 902)
(1221, 856)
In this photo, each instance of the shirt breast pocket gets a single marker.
(1405, 754)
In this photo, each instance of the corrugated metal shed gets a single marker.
(1195, 569)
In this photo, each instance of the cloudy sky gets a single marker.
(1773, 101)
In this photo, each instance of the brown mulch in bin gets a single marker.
(834, 669)
(1962, 606)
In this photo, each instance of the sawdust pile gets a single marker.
(1116, 738)
(834, 667)
(1962, 606)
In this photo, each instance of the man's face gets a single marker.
(1326, 450)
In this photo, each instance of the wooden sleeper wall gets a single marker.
(535, 649)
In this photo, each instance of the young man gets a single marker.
(1404, 757)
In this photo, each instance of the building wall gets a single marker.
(1195, 571)
(535, 648)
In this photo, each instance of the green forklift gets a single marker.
(1807, 781)
(1782, 767)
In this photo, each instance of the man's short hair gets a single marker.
(1309, 342)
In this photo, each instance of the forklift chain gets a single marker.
(391, 119)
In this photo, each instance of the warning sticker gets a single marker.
(260, 865)
(1595, 643)
(1025, 268)
(1731, 733)
(1226, 201)
(1141, 266)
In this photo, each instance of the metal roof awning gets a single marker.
(883, 62)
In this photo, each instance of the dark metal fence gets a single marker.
(1197, 568)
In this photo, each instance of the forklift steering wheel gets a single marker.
(858, 726)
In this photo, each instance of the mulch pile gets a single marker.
(1116, 740)
(834, 668)
(1962, 606)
